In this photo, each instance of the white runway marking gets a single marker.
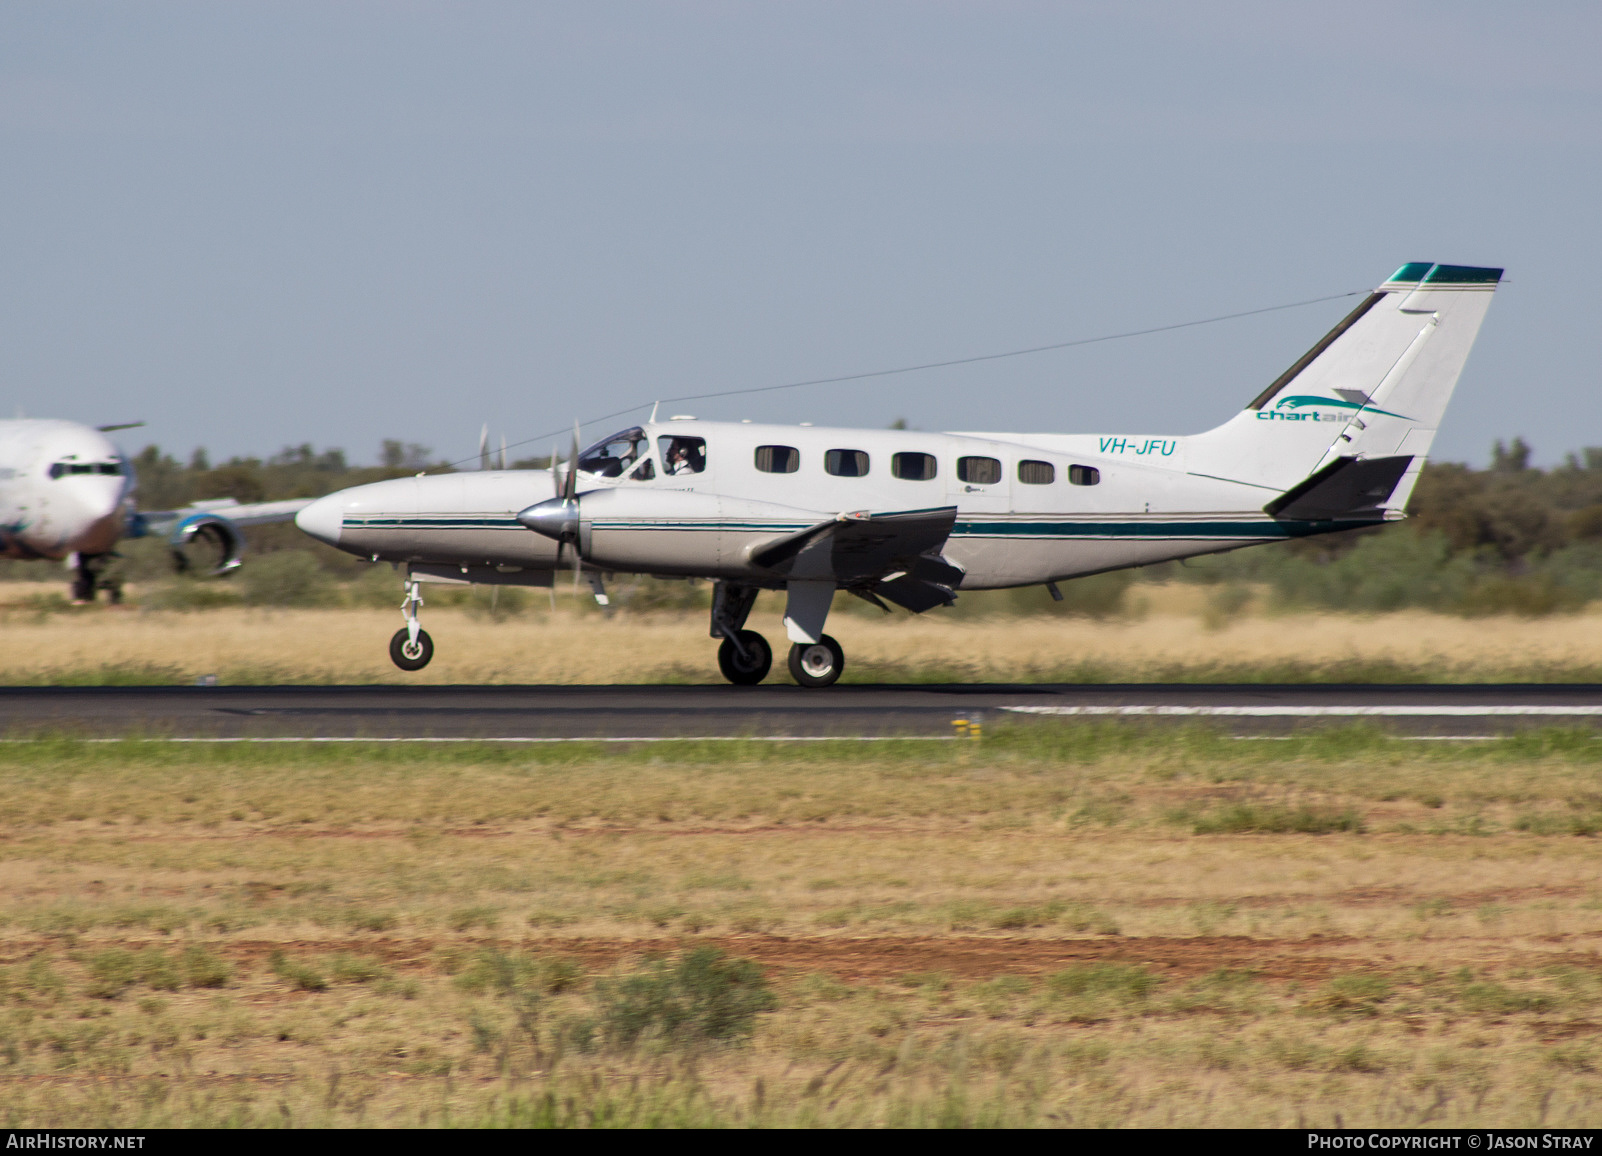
(1385, 711)
(531, 739)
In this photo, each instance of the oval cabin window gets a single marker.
(846, 463)
(1037, 473)
(1084, 475)
(778, 459)
(914, 467)
(979, 471)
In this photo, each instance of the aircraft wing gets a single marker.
(239, 513)
(894, 555)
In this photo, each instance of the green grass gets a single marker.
(1011, 931)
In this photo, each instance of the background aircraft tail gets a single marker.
(1353, 419)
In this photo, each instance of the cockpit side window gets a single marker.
(683, 455)
(613, 456)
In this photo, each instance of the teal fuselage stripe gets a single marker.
(1264, 528)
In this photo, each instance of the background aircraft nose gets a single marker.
(323, 519)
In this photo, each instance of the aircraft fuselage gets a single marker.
(1030, 509)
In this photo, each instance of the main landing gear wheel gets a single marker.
(816, 663)
(750, 668)
(409, 655)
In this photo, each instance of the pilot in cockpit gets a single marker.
(684, 455)
(609, 459)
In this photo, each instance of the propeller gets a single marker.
(570, 490)
(571, 510)
(483, 447)
(556, 489)
(558, 517)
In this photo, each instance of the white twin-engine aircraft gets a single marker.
(65, 493)
(911, 518)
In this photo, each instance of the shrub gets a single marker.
(1356, 993)
(704, 996)
(189, 594)
(646, 594)
(111, 973)
(498, 603)
(203, 969)
(1257, 819)
(285, 578)
(302, 975)
(1094, 596)
(1121, 981)
(504, 973)
(355, 969)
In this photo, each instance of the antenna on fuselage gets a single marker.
(655, 405)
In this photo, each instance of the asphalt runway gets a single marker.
(620, 713)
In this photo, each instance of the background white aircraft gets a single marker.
(66, 493)
(910, 518)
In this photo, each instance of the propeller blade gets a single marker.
(570, 490)
(556, 569)
(483, 447)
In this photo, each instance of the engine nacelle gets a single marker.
(206, 544)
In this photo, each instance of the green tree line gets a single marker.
(1510, 537)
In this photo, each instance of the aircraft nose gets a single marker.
(323, 519)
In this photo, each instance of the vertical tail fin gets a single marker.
(1374, 387)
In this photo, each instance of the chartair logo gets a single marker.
(1306, 407)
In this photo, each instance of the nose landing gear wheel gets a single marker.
(816, 663)
(404, 654)
(753, 667)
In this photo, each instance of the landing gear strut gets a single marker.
(745, 656)
(411, 648)
(89, 576)
(815, 658)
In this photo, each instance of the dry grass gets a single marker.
(1064, 924)
(1175, 637)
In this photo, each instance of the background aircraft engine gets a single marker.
(205, 544)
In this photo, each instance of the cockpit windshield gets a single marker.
(610, 457)
(64, 469)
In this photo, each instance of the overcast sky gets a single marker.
(258, 224)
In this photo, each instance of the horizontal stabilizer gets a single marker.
(1346, 488)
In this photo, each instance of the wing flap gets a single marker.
(856, 547)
